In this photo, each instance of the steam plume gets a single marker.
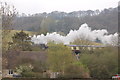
(84, 32)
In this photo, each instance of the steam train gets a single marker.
(76, 48)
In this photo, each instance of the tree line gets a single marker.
(64, 22)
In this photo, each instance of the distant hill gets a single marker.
(64, 22)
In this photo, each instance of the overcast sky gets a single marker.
(39, 6)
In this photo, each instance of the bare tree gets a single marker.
(8, 13)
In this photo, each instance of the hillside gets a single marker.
(63, 22)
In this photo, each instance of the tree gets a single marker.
(76, 70)
(44, 25)
(82, 41)
(8, 13)
(102, 63)
(59, 56)
(21, 41)
(24, 68)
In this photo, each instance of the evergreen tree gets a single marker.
(21, 41)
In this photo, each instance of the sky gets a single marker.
(40, 6)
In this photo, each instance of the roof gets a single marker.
(15, 57)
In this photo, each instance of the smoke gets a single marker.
(84, 32)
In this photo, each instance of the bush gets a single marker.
(76, 70)
(102, 63)
(32, 74)
(24, 68)
(59, 56)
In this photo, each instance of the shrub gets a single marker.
(76, 70)
(102, 63)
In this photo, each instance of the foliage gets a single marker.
(24, 68)
(8, 38)
(59, 56)
(39, 67)
(44, 25)
(102, 63)
(76, 70)
(8, 13)
(36, 48)
(21, 41)
(32, 74)
(34, 68)
(31, 69)
(84, 41)
(61, 21)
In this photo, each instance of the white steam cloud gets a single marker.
(84, 32)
